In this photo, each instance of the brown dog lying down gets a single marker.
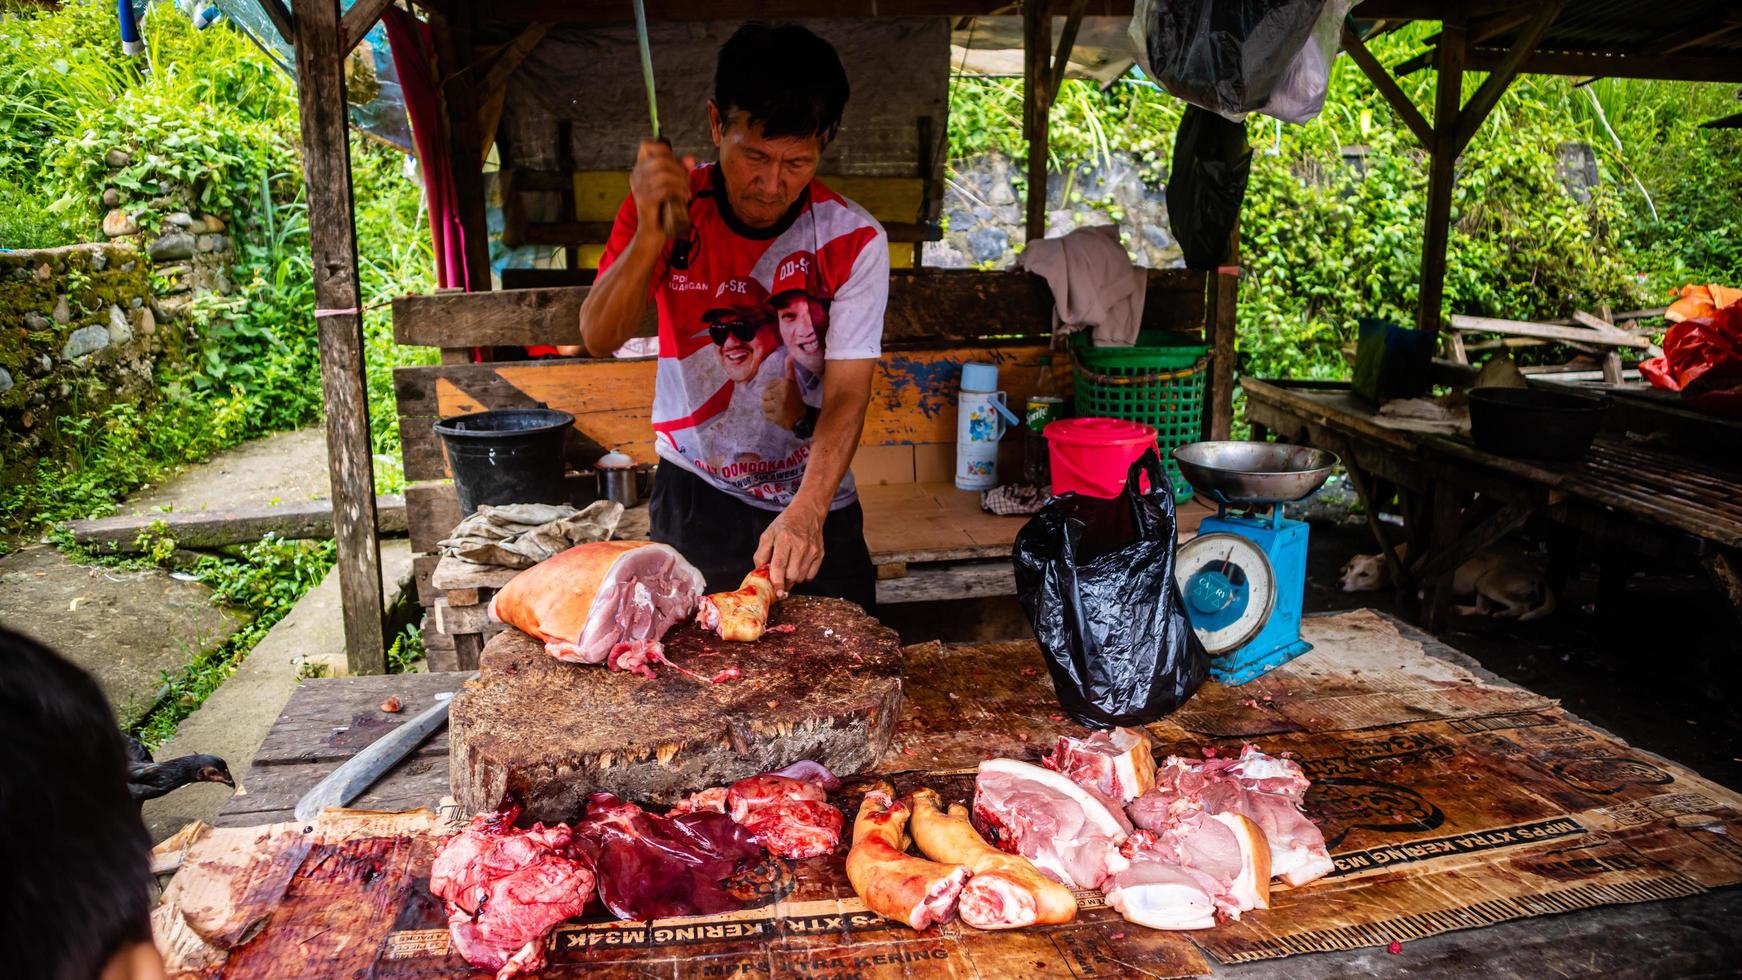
(1504, 587)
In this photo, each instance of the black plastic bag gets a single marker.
(1096, 578)
(1211, 161)
(1225, 56)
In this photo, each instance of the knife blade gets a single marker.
(673, 218)
(360, 771)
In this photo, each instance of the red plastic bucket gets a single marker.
(1091, 456)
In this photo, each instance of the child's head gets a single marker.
(78, 864)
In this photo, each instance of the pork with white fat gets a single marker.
(1006, 891)
(1265, 789)
(606, 602)
(1116, 764)
(1072, 834)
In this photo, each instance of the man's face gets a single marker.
(799, 321)
(740, 358)
(763, 176)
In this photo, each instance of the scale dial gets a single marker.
(1229, 589)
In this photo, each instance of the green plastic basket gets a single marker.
(1158, 384)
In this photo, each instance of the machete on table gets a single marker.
(360, 771)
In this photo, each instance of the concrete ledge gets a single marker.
(235, 719)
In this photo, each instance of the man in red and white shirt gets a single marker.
(770, 324)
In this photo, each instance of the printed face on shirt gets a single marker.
(763, 176)
(803, 323)
(743, 342)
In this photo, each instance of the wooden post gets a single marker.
(1448, 94)
(458, 69)
(326, 156)
(1224, 290)
(1037, 107)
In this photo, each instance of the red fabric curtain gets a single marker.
(411, 44)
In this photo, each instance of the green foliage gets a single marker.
(405, 650)
(1323, 243)
(264, 580)
(204, 110)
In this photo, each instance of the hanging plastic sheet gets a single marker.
(1270, 56)
(376, 103)
(1206, 186)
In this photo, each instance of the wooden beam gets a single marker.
(508, 60)
(281, 19)
(1494, 86)
(1036, 110)
(358, 20)
(1674, 68)
(568, 11)
(1220, 311)
(326, 160)
(1447, 96)
(1067, 43)
(596, 232)
(934, 304)
(1544, 331)
(298, 520)
(1705, 29)
(1388, 87)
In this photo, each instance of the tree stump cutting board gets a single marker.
(551, 732)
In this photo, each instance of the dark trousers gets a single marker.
(718, 534)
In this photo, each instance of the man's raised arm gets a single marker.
(618, 300)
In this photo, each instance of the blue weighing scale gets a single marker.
(1243, 578)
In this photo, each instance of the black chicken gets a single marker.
(148, 780)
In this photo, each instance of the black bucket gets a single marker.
(509, 456)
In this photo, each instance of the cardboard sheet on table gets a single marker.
(1360, 673)
(1463, 818)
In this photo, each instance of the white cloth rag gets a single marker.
(1093, 283)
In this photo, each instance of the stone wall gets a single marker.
(190, 248)
(983, 210)
(78, 332)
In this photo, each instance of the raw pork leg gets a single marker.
(1007, 891)
(892, 882)
(740, 615)
(606, 601)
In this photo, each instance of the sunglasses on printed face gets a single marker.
(744, 330)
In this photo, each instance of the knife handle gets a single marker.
(674, 218)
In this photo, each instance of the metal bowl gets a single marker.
(1253, 472)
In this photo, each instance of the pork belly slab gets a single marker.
(602, 602)
(1265, 789)
(1116, 764)
(1070, 833)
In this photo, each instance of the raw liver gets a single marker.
(553, 732)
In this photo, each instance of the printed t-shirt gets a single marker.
(723, 341)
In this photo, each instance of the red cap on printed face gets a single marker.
(793, 274)
(736, 297)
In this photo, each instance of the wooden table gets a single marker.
(329, 719)
(929, 542)
(1631, 496)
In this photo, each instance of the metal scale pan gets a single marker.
(1243, 578)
